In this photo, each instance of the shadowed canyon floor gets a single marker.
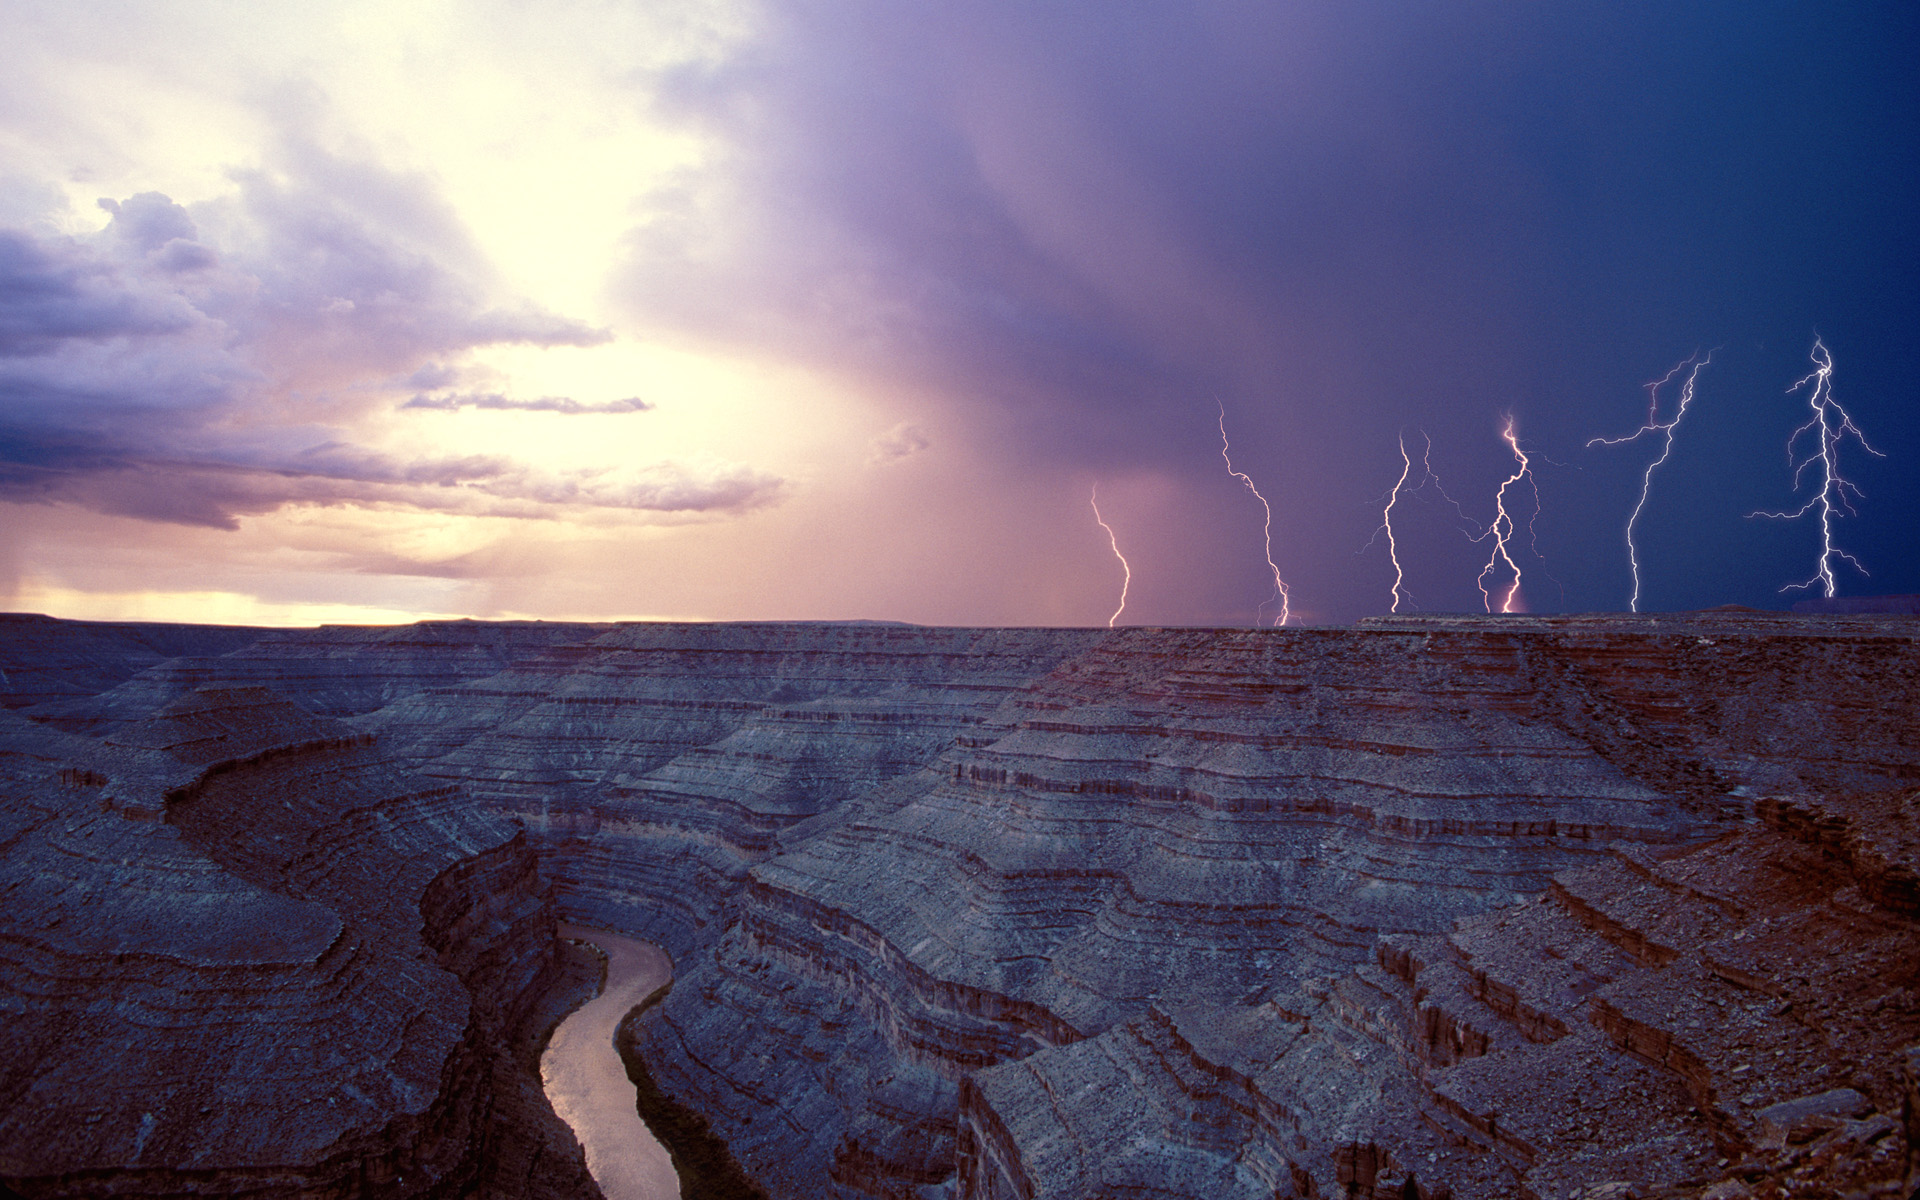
(1553, 907)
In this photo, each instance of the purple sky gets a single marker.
(841, 309)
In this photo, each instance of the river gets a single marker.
(588, 1085)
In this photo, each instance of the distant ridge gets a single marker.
(1905, 605)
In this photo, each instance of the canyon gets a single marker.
(1572, 908)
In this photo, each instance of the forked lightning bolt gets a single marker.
(1126, 580)
(1279, 585)
(1692, 366)
(1830, 425)
(1501, 531)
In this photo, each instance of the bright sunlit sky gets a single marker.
(370, 312)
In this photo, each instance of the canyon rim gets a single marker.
(1586, 906)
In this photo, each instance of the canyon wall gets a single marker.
(243, 953)
(1440, 906)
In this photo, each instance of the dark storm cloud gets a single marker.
(494, 401)
(55, 291)
(160, 371)
(1343, 221)
(106, 475)
(109, 478)
(491, 485)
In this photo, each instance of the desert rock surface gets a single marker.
(1552, 907)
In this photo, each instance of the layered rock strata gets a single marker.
(1445, 906)
(659, 762)
(1656, 1020)
(335, 670)
(44, 661)
(1209, 831)
(243, 954)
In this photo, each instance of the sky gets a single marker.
(844, 309)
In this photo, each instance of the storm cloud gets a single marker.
(935, 272)
(1080, 230)
(153, 372)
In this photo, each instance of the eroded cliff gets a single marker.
(243, 954)
(1427, 907)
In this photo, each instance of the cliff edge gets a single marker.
(1551, 907)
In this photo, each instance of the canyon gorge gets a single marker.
(1573, 908)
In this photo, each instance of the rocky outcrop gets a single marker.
(1533, 1050)
(243, 953)
(659, 762)
(1039, 963)
(1430, 907)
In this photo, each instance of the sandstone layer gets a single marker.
(1467, 907)
(244, 954)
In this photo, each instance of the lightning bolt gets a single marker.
(1502, 531)
(1692, 365)
(1127, 580)
(1386, 517)
(1429, 475)
(1834, 488)
(1279, 585)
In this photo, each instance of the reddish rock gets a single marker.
(1431, 907)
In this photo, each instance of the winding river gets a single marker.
(588, 1085)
